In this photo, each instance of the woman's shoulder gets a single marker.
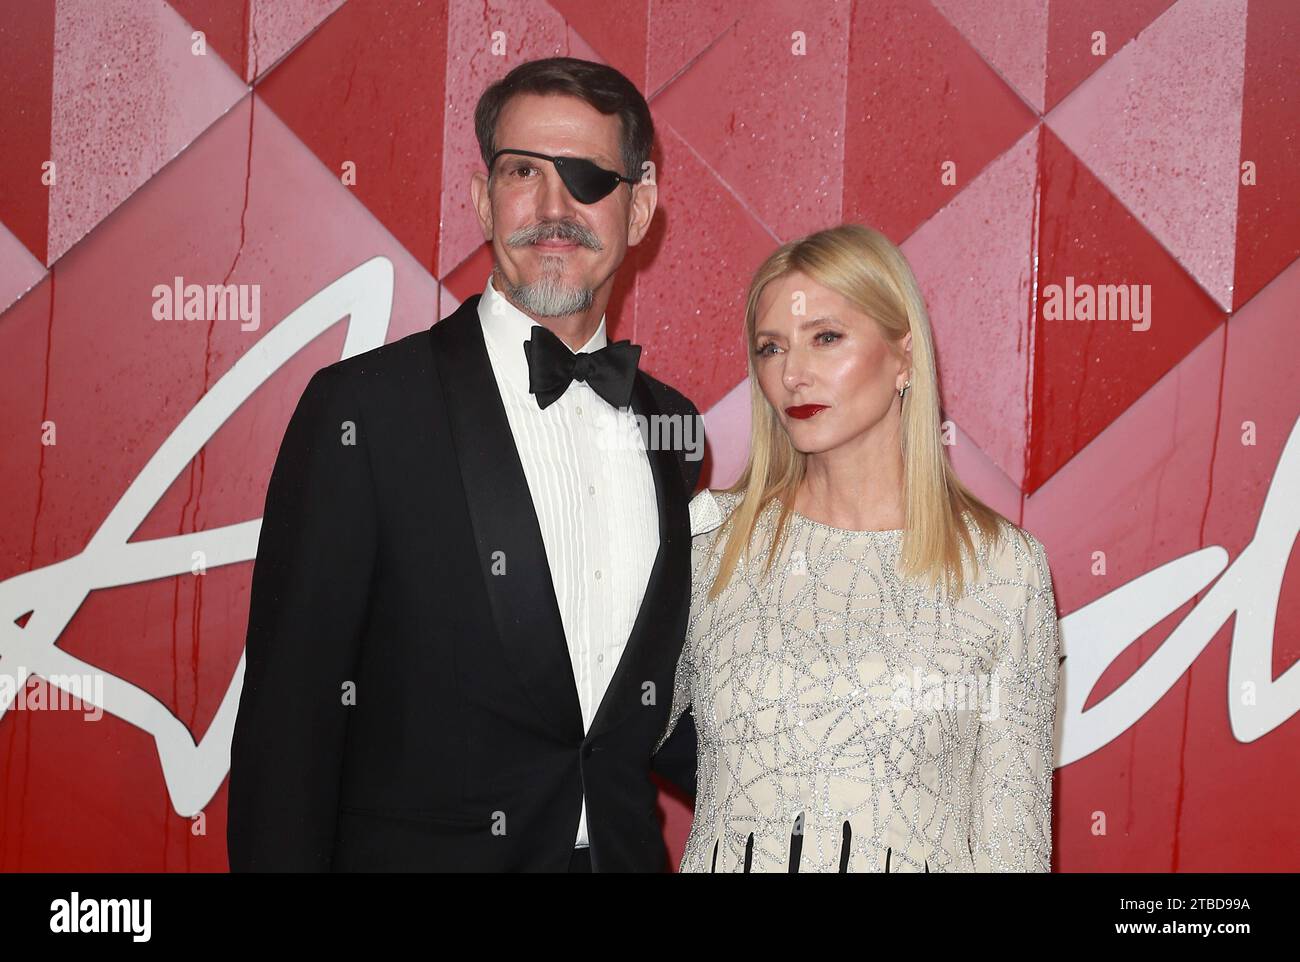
(1015, 554)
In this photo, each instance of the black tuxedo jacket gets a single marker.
(408, 698)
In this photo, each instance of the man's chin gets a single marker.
(568, 287)
(550, 265)
(548, 299)
(553, 272)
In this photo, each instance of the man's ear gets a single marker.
(645, 198)
(482, 200)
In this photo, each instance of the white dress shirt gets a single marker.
(594, 499)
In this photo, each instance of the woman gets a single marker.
(872, 652)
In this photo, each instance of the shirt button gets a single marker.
(591, 489)
(597, 574)
(578, 410)
(600, 658)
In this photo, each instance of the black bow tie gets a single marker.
(552, 367)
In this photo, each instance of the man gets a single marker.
(468, 603)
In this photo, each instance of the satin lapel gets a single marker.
(669, 583)
(508, 536)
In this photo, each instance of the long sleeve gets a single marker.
(682, 680)
(676, 755)
(1011, 817)
(307, 611)
(676, 758)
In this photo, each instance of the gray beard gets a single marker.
(548, 296)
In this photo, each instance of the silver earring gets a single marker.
(903, 390)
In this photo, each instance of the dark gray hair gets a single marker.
(604, 88)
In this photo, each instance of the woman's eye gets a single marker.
(828, 334)
(762, 349)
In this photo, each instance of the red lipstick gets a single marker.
(805, 411)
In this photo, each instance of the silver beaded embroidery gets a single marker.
(794, 681)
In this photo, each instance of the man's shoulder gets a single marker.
(669, 399)
(674, 404)
(387, 358)
(389, 377)
(408, 355)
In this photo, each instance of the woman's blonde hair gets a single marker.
(863, 266)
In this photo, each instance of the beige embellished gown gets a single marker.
(850, 721)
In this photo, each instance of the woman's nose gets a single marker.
(795, 374)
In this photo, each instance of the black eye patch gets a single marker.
(587, 182)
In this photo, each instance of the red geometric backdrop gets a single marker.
(1014, 148)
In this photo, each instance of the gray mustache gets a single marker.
(555, 230)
